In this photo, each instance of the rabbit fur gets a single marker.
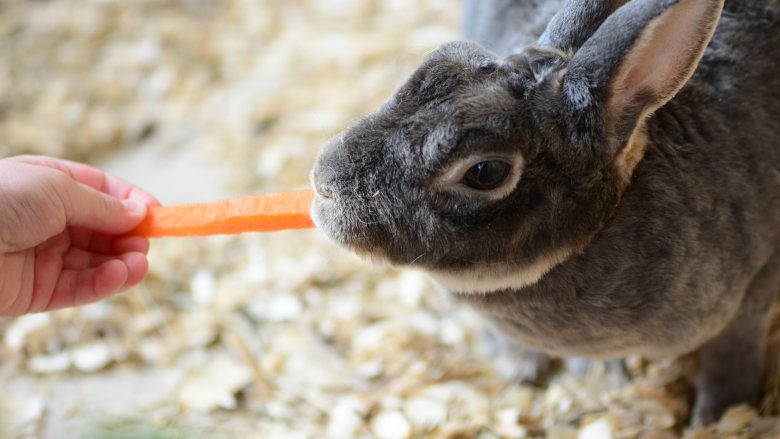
(640, 212)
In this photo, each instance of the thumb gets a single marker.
(92, 209)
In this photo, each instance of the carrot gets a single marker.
(258, 213)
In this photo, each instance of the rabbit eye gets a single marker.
(488, 67)
(487, 175)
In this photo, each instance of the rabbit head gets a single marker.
(488, 171)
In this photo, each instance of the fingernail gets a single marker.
(133, 206)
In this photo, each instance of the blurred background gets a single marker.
(278, 335)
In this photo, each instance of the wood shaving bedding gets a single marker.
(279, 335)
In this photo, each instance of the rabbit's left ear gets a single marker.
(638, 59)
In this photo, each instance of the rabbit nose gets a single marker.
(323, 178)
(323, 190)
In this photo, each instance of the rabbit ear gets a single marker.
(638, 59)
(575, 22)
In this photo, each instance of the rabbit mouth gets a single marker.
(331, 218)
(321, 213)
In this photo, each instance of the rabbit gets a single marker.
(506, 26)
(604, 186)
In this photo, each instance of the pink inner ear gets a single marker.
(664, 57)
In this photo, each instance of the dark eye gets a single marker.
(487, 175)
(487, 67)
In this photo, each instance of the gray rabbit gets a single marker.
(609, 189)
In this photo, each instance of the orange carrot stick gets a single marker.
(258, 213)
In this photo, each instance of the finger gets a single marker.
(130, 244)
(79, 259)
(89, 208)
(80, 287)
(80, 237)
(137, 268)
(102, 248)
(48, 266)
(116, 245)
(102, 243)
(15, 291)
(94, 178)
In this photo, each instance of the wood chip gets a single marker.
(293, 336)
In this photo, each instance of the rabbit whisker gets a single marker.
(417, 258)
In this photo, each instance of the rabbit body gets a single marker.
(698, 223)
(659, 238)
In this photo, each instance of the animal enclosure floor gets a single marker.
(277, 335)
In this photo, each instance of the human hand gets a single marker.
(61, 234)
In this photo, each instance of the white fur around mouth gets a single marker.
(489, 279)
(332, 233)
